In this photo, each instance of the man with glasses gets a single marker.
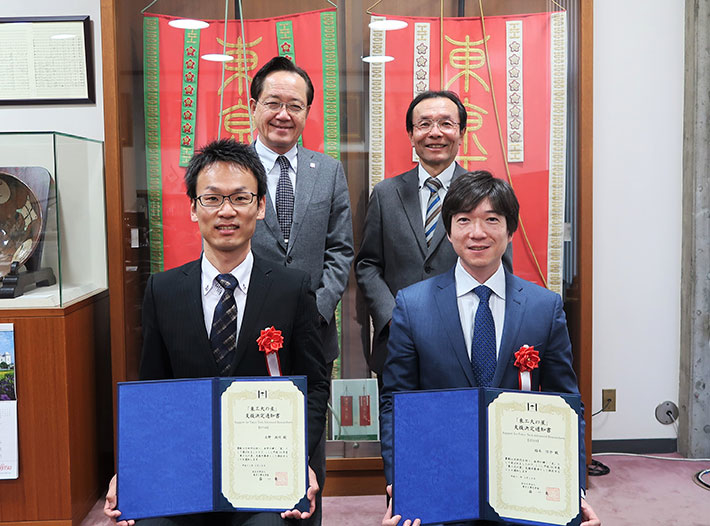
(203, 319)
(403, 241)
(307, 223)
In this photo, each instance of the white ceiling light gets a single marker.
(188, 23)
(387, 25)
(377, 59)
(217, 57)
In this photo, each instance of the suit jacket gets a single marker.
(176, 343)
(427, 349)
(321, 242)
(394, 253)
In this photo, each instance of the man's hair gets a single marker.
(436, 95)
(225, 151)
(468, 190)
(279, 64)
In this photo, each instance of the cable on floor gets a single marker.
(698, 478)
(597, 469)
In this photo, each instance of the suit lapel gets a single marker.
(189, 290)
(408, 192)
(440, 232)
(272, 222)
(259, 285)
(445, 296)
(514, 311)
(306, 176)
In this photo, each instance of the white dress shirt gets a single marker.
(273, 169)
(212, 290)
(468, 302)
(424, 192)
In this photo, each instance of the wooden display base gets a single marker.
(354, 476)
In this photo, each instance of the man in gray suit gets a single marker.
(403, 242)
(307, 225)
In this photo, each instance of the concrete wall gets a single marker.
(638, 117)
(86, 120)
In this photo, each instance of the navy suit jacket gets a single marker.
(176, 343)
(427, 349)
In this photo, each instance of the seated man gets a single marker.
(203, 319)
(461, 328)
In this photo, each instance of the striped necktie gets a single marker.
(433, 208)
(223, 336)
(284, 198)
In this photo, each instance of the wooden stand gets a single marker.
(57, 356)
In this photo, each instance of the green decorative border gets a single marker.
(190, 67)
(151, 108)
(284, 36)
(331, 113)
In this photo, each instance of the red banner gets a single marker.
(507, 75)
(190, 101)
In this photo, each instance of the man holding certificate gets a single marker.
(465, 327)
(208, 317)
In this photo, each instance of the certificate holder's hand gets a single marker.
(389, 520)
(110, 505)
(311, 494)
(589, 518)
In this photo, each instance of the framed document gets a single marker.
(46, 60)
(212, 444)
(492, 454)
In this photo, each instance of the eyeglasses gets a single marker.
(216, 200)
(293, 108)
(445, 126)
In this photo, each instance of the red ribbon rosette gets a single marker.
(526, 359)
(270, 341)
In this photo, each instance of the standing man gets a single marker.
(203, 319)
(307, 223)
(403, 240)
(462, 328)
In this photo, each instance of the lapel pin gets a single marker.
(313, 165)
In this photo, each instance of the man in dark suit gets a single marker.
(462, 328)
(404, 241)
(203, 319)
(307, 223)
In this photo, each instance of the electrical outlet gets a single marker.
(608, 399)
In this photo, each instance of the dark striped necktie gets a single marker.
(223, 336)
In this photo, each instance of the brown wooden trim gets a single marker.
(585, 212)
(53, 312)
(114, 191)
(354, 476)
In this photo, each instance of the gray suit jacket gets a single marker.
(321, 241)
(394, 253)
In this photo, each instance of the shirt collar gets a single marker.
(445, 176)
(465, 282)
(241, 272)
(268, 156)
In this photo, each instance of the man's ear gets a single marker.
(261, 207)
(193, 210)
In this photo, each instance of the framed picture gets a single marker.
(46, 60)
(355, 409)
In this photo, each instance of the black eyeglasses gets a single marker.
(216, 200)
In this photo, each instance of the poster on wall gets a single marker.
(8, 404)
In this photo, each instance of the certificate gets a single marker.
(211, 444)
(486, 454)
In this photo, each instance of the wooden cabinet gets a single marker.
(61, 391)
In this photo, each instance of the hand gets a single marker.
(589, 518)
(110, 505)
(311, 494)
(389, 520)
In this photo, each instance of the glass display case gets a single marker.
(52, 219)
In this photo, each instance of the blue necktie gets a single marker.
(483, 346)
(223, 335)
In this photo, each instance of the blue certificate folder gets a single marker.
(440, 455)
(169, 446)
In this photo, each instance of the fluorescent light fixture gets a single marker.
(188, 23)
(217, 57)
(63, 36)
(387, 25)
(377, 59)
